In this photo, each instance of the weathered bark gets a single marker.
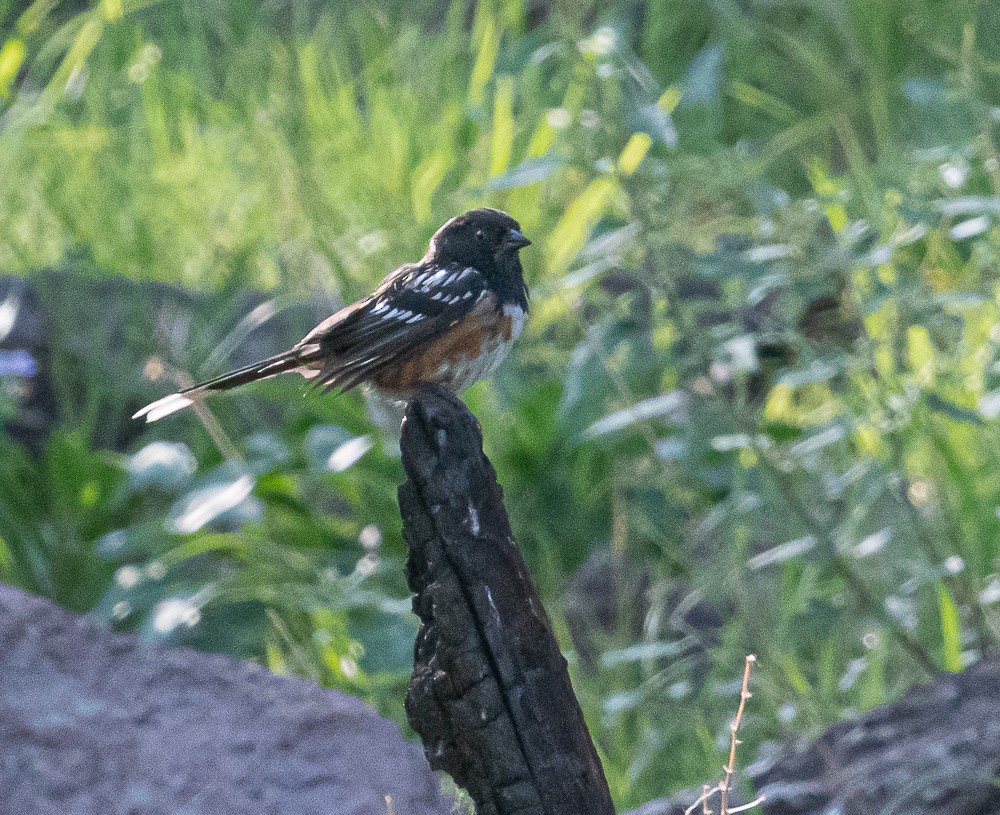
(934, 752)
(91, 722)
(490, 693)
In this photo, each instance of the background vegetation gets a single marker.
(754, 409)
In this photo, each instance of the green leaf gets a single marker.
(486, 57)
(571, 233)
(503, 125)
(11, 59)
(952, 411)
(951, 632)
(529, 171)
(426, 179)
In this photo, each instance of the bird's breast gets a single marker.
(511, 321)
(467, 352)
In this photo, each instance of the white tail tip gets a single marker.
(163, 407)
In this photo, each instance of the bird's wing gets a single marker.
(413, 306)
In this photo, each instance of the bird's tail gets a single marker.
(279, 363)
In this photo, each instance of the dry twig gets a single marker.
(725, 784)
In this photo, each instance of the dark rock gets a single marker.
(91, 722)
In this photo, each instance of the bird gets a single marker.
(447, 319)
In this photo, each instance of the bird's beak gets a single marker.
(515, 240)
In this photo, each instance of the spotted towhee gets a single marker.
(447, 319)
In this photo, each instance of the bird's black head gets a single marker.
(477, 238)
(488, 240)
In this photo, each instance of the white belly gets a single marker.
(516, 314)
(465, 372)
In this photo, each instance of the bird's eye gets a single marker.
(479, 235)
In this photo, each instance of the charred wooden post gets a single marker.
(490, 694)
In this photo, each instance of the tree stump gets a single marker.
(490, 694)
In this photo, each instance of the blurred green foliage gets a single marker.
(754, 409)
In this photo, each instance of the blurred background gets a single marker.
(754, 409)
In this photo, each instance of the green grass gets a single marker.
(783, 211)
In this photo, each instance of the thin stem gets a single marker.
(734, 726)
(756, 802)
(702, 800)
